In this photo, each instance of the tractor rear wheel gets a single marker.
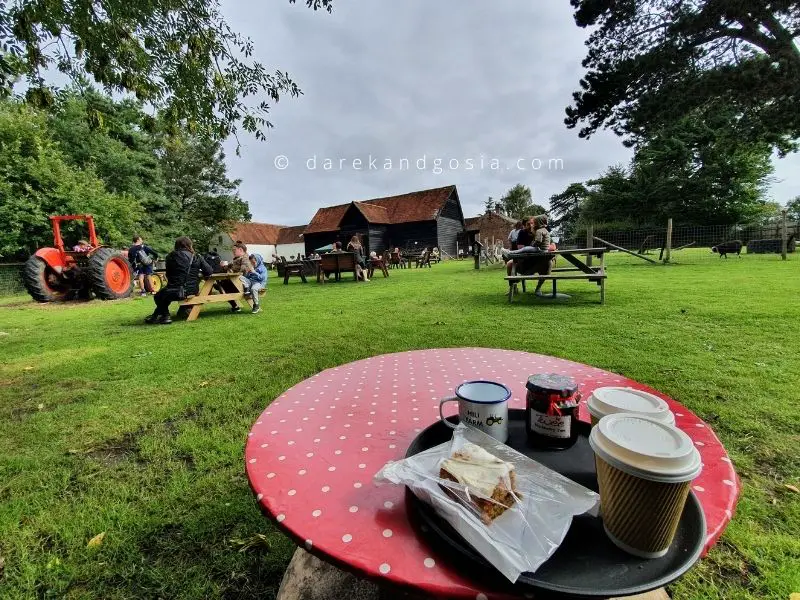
(109, 274)
(42, 282)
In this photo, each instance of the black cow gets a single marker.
(729, 247)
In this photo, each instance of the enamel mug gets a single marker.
(482, 405)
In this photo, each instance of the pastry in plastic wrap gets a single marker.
(489, 484)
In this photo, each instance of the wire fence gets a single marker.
(11, 279)
(690, 244)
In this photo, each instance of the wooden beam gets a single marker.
(624, 250)
(668, 245)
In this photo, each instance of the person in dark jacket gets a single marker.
(183, 279)
(136, 256)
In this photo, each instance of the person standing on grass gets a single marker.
(141, 257)
(255, 280)
(184, 268)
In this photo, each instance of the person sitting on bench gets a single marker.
(183, 269)
(530, 243)
(240, 264)
(255, 280)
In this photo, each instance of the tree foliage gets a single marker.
(125, 171)
(694, 171)
(652, 62)
(197, 182)
(179, 56)
(37, 181)
(518, 203)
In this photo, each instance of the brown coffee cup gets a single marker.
(645, 468)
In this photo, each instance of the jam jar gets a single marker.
(551, 414)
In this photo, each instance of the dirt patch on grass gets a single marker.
(733, 566)
(115, 452)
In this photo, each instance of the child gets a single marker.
(255, 280)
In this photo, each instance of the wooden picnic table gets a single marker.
(580, 269)
(219, 287)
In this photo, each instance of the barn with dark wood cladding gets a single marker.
(425, 219)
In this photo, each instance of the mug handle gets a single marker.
(441, 414)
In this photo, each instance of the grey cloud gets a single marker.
(448, 79)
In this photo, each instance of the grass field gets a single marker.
(108, 425)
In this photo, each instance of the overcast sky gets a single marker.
(447, 80)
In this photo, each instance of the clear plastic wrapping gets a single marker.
(514, 511)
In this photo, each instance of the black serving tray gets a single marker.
(587, 564)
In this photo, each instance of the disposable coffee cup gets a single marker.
(644, 469)
(613, 400)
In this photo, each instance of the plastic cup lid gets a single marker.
(610, 400)
(645, 447)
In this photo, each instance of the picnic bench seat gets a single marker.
(228, 288)
(337, 263)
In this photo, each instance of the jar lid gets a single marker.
(610, 400)
(552, 383)
(646, 448)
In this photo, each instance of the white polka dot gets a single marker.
(387, 533)
(346, 425)
(347, 538)
(270, 475)
(364, 449)
(429, 562)
(362, 466)
(367, 435)
(699, 425)
(322, 427)
(331, 468)
(291, 443)
(699, 444)
(342, 437)
(280, 518)
(252, 460)
(384, 568)
(326, 489)
(357, 484)
(392, 446)
(301, 472)
(316, 513)
(697, 488)
(727, 482)
(337, 452)
(264, 445)
(316, 440)
(388, 504)
(353, 509)
(309, 543)
(292, 492)
(259, 497)
(392, 432)
(281, 458)
(309, 454)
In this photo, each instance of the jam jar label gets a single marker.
(553, 426)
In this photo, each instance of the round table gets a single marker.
(312, 454)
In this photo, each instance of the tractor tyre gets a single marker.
(109, 274)
(42, 282)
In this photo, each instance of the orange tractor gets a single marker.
(54, 274)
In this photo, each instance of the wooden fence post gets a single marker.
(669, 240)
(784, 235)
(589, 241)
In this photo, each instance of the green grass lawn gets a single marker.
(107, 425)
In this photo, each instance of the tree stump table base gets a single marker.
(309, 578)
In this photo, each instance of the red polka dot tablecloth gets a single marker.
(313, 452)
